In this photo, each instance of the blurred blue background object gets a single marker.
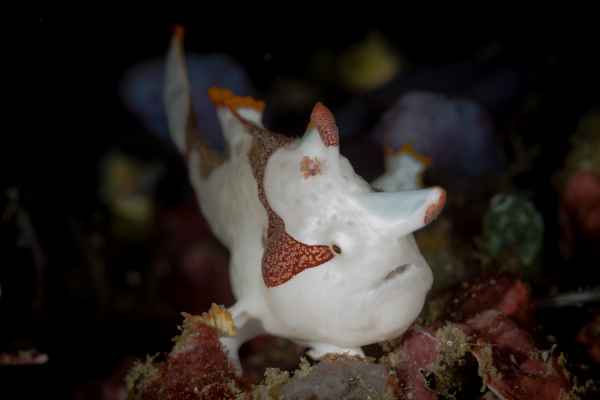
(142, 92)
(457, 134)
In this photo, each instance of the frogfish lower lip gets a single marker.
(396, 271)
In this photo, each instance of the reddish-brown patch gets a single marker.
(435, 209)
(284, 257)
(324, 121)
(310, 166)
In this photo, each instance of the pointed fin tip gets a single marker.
(323, 119)
(407, 149)
(222, 97)
(435, 208)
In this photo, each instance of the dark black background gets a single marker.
(74, 67)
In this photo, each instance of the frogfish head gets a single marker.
(348, 268)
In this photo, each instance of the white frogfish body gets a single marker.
(317, 256)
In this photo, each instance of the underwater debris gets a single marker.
(577, 297)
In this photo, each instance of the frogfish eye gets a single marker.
(336, 249)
